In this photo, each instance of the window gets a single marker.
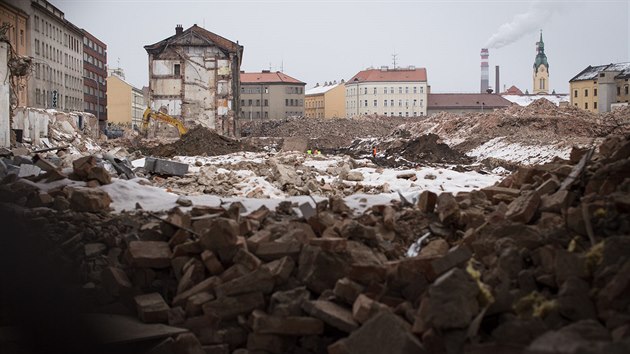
(400, 114)
(375, 104)
(37, 28)
(22, 37)
(399, 89)
(421, 102)
(375, 90)
(415, 114)
(415, 90)
(618, 91)
(399, 103)
(406, 103)
(594, 105)
(421, 89)
(626, 90)
(258, 104)
(406, 114)
(365, 91)
(176, 69)
(585, 92)
(37, 46)
(366, 102)
(249, 102)
(575, 93)
(542, 84)
(595, 92)
(286, 102)
(257, 115)
(266, 115)
(414, 103)
(385, 103)
(385, 90)
(392, 104)
(585, 105)
(406, 89)
(266, 102)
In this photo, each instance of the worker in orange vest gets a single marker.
(374, 152)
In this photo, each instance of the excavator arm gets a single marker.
(162, 117)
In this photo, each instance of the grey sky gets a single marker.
(324, 40)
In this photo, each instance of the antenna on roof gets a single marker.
(394, 55)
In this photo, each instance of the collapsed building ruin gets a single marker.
(194, 76)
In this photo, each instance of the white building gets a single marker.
(388, 92)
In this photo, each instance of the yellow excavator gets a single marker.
(162, 117)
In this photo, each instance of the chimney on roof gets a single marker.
(179, 30)
(335, 83)
(343, 81)
(412, 67)
(496, 78)
(266, 71)
(317, 84)
(384, 68)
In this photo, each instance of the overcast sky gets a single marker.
(325, 40)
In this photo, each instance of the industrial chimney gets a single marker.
(485, 77)
(496, 80)
(179, 29)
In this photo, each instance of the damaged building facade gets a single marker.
(194, 75)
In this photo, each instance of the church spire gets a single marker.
(541, 58)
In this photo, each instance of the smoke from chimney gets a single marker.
(538, 14)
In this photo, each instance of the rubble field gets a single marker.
(537, 263)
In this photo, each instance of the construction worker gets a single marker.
(374, 152)
(309, 152)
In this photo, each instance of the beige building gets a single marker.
(389, 92)
(17, 35)
(326, 101)
(599, 88)
(194, 76)
(125, 104)
(465, 103)
(271, 95)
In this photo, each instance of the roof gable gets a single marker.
(196, 36)
(269, 78)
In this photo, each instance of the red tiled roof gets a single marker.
(466, 100)
(513, 90)
(390, 75)
(269, 78)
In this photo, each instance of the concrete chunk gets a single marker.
(165, 167)
(331, 313)
(150, 254)
(151, 308)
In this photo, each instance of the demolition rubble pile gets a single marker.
(539, 124)
(199, 141)
(538, 263)
(324, 133)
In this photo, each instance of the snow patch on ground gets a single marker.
(498, 148)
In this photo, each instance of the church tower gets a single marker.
(541, 69)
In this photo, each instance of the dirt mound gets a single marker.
(199, 141)
(540, 123)
(326, 133)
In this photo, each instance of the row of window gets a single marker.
(251, 103)
(364, 103)
(94, 76)
(55, 55)
(92, 60)
(90, 43)
(625, 91)
(253, 90)
(57, 77)
(292, 89)
(392, 114)
(53, 32)
(252, 115)
(91, 107)
(314, 104)
(401, 90)
(92, 91)
(293, 102)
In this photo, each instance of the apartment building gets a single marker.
(201, 87)
(94, 77)
(271, 95)
(326, 101)
(126, 103)
(388, 92)
(56, 47)
(600, 88)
